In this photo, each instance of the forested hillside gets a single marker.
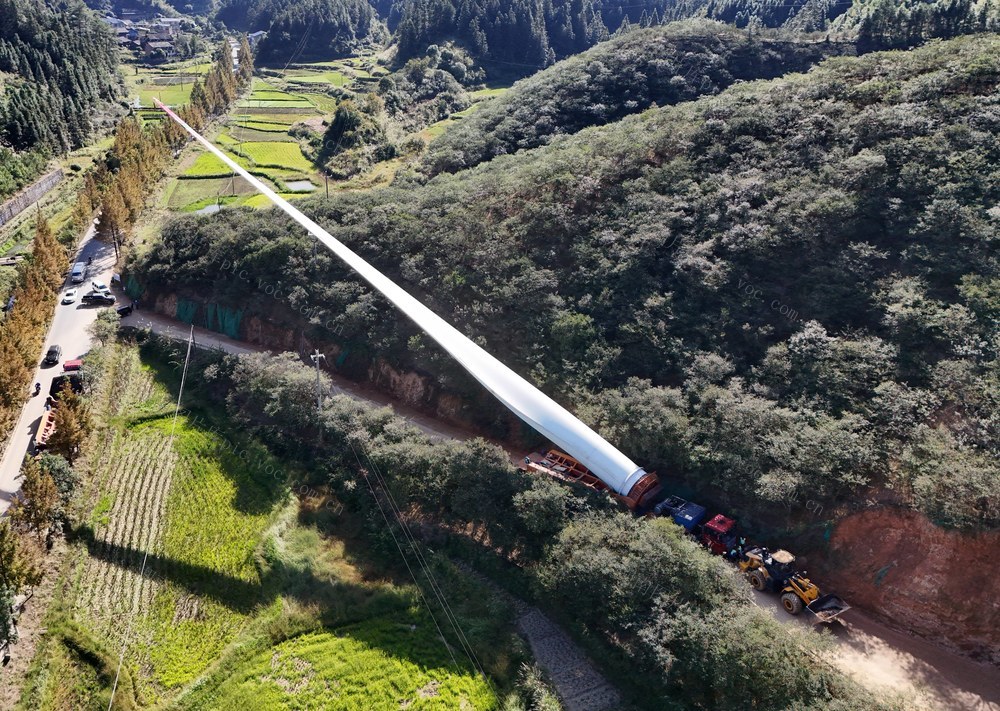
(788, 289)
(57, 70)
(303, 30)
(626, 75)
(525, 35)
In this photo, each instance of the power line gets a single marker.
(467, 647)
(145, 555)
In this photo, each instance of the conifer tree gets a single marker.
(37, 504)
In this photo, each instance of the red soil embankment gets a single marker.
(938, 583)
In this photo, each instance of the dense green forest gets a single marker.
(788, 289)
(65, 66)
(521, 36)
(518, 37)
(58, 71)
(626, 75)
(303, 30)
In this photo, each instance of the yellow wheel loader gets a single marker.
(775, 572)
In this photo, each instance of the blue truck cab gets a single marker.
(684, 513)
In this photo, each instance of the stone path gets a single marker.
(579, 685)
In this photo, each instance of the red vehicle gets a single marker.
(719, 535)
(72, 365)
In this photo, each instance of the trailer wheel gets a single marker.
(792, 603)
(758, 581)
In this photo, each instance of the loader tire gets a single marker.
(758, 581)
(792, 603)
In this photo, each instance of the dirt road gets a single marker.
(885, 659)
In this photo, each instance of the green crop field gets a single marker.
(261, 202)
(274, 104)
(240, 133)
(186, 192)
(207, 165)
(273, 95)
(267, 126)
(324, 104)
(392, 663)
(170, 94)
(275, 154)
(334, 78)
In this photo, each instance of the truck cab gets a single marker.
(685, 514)
(719, 535)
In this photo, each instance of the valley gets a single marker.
(722, 257)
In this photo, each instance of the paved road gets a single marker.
(69, 330)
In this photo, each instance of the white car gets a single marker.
(69, 297)
(99, 286)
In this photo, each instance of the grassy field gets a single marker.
(274, 154)
(385, 664)
(207, 165)
(334, 78)
(236, 598)
(297, 103)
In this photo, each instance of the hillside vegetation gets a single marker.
(626, 75)
(786, 291)
(300, 30)
(520, 36)
(58, 69)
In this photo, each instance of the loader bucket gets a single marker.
(828, 607)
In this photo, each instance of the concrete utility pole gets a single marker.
(316, 357)
(319, 393)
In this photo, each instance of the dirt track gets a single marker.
(884, 659)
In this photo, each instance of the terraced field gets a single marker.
(274, 154)
(257, 138)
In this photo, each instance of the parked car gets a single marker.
(53, 355)
(69, 297)
(72, 365)
(124, 311)
(99, 285)
(98, 297)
